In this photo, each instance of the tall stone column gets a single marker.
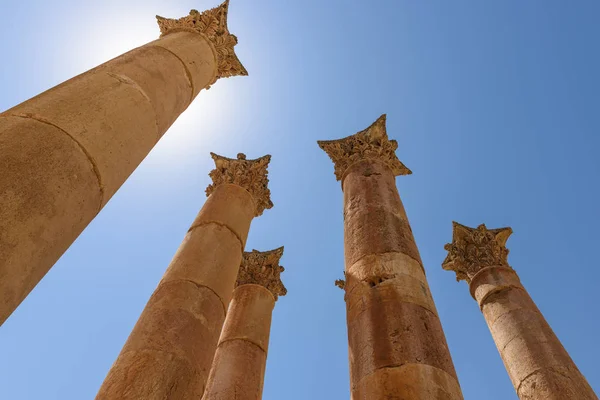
(238, 370)
(65, 152)
(397, 347)
(538, 365)
(170, 350)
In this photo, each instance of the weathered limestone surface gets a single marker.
(170, 350)
(397, 346)
(65, 152)
(538, 365)
(239, 366)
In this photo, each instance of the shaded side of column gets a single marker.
(65, 152)
(238, 369)
(397, 347)
(538, 365)
(170, 350)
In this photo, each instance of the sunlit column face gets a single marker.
(108, 36)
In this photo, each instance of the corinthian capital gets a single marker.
(473, 249)
(249, 174)
(213, 25)
(371, 144)
(262, 268)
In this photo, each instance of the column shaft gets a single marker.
(538, 365)
(397, 347)
(238, 369)
(65, 152)
(169, 352)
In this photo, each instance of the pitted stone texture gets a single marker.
(530, 350)
(231, 206)
(108, 115)
(386, 332)
(196, 55)
(491, 280)
(248, 174)
(114, 114)
(537, 363)
(392, 320)
(558, 383)
(238, 372)
(503, 302)
(390, 272)
(375, 221)
(185, 316)
(171, 378)
(160, 75)
(249, 316)
(528, 344)
(169, 352)
(408, 382)
(239, 365)
(48, 194)
(208, 256)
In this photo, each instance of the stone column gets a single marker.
(538, 365)
(238, 370)
(397, 348)
(65, 152)
(170, 350)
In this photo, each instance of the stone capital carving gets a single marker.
(473, 249)
(262, 268)
(370, 144)
(213, 25)
(249, 174)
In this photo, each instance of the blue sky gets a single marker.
(495, 106)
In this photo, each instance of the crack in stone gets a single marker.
(95, 168)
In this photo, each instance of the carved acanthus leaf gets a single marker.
(262, 268)
(249, 174)
(473, 249)
(370, 144)
(213, 25)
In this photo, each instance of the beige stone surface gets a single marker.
(239, 366)
(160, 76)
(391, 316)
(556, 383)
(238, 372)
(374, 217)
(394, 273)
(170, 351)
(205, 258)
(249, 316)
(171, 378)
(196, 55)
(49, 192)
(105, 121)
(409, 381)
(390, 332)
(107, 115)
(230, 205)
(491, 280)
(538, 365)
